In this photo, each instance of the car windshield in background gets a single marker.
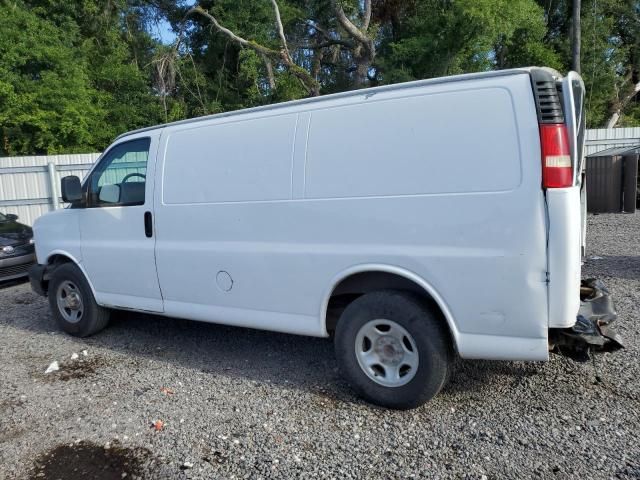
(3, 218)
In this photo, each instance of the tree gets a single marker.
(443, 38)
(269, 55)
(305, 63)
(72, 77)
(45, 100)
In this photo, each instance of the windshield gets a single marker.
(3, 218)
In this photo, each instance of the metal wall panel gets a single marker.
(26, 188)
(604, 184)
(599, 139)
(630, 188)
(43, 160)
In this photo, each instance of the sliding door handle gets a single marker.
(148, 224)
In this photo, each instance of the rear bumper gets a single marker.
(594, 329)
(36, 278)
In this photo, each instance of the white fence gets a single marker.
(30, 186)
(600, 139)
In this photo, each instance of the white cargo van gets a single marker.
(413, 222)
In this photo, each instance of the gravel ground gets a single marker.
(239, 403)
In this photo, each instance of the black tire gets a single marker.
(428, 333)
(92, 317)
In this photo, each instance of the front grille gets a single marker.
(19, 250)
(14, 270)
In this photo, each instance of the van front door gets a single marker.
(116, 241)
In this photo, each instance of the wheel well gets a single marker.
(358, 284)
(58, 259)
(53, 262)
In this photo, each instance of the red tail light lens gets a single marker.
(557, 171)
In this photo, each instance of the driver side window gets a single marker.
(120, 177)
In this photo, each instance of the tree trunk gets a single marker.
(613, 119)
(620, 106)
(576, 36)
(364, 50)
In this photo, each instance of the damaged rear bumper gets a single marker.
(594, 329)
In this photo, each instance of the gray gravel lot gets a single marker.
(241, 403)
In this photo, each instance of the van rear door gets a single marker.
(560, 136)
(573, 94)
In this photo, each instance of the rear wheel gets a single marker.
(72, 302)
(393, 349)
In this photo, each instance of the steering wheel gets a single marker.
(135, 174)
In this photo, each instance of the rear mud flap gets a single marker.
(593, 330)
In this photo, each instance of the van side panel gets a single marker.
(420, 180)
(416, 145)
(230, 162)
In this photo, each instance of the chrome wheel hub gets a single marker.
(387, 353)
(69, 301)
(72, 301)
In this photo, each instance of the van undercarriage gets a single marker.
(594, 330)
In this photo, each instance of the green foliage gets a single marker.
(73, 75)
(68, 79)
(46, 105)
(444, 38)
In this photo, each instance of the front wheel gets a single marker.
(72, 302)
(392, 348)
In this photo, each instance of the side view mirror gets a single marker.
(70, 189)
(12, 217)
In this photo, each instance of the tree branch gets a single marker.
(348, 25)
(617, 113)
(344, 43)
(270, 76)
(367, 15)
(283, 40)
(267, 54)
(364, 52)
(225, 31)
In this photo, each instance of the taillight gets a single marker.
(556, 156)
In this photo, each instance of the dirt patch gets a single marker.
(79, 368)
(74, 369)
(25, 299)
(9, 404)
(10, 434)
(326, 399)
(86, 460)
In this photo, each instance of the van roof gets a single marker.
(366, 92)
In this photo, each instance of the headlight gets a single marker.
(32, 241)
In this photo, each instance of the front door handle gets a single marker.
(148, 224)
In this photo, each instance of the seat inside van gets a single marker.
(132, 192)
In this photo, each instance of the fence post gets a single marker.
(51, 167)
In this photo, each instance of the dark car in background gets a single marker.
(17, 252)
